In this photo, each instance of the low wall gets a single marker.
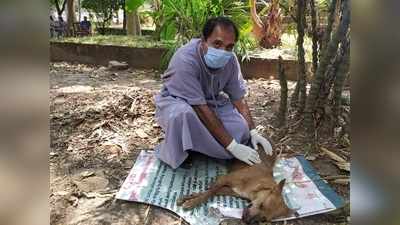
(149, 58)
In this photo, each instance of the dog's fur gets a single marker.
(255, 183)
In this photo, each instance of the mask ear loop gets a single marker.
(213, 96)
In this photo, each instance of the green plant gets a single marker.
(182, 20)
(133, 5)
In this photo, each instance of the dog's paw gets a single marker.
(181, 200)
(189, 201)
(190, 204)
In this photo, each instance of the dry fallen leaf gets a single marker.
(92, 183)
(140, 132)
(112, 150)
(339, 161)
(311, 157)
(86, 174)
(61, 193)
(343, 181)
(343, 165)
(333, 155)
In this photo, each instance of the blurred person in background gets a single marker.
(86, 26)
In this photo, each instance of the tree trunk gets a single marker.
(284, 94)
(258, 26)
(331, 19)
(342, 72)
(157, 20)
(124, 20)
(331, 74)
(80, 10)
(314, 22)
(301, 18)
(272, 26)
(328, 81)
(133, 23)
(60, 9)
(321, 112)
(319, 77)
(71, 16)
(295, 96)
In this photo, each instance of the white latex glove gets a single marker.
(256, 138)
(243, 153)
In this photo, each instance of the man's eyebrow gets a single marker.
(218, 40)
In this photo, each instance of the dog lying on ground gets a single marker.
(255, 183)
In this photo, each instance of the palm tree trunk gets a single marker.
(314, 22)
(301, 18)
(284, 94)
(258, 26)
(319, 77)
(295, 96)
(342, 73)
(327, 34)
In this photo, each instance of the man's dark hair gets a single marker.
(219, 21)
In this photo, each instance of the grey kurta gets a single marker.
(187, 82)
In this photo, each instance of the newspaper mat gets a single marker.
(153, 182)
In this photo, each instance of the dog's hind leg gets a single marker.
(219, 187)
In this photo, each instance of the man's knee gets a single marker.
(183, 110)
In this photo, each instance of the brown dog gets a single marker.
(255, 183)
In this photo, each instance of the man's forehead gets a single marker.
(223, 33)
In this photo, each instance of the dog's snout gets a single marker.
(252, 221)
(247, 218)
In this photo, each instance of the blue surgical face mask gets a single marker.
(217, 58)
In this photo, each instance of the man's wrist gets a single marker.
(231, 145)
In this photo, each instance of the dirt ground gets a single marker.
(101, 119)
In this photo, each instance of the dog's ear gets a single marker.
(292, 212)
(281, 184)
(261, 187)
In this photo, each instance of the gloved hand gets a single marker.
(256, 138)
(243, 153)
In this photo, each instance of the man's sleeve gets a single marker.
(236, 86)
(185, 81)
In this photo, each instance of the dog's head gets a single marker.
(268, 205)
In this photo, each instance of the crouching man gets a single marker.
(201, 106)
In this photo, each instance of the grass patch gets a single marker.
(117, 40)
(288, 49)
